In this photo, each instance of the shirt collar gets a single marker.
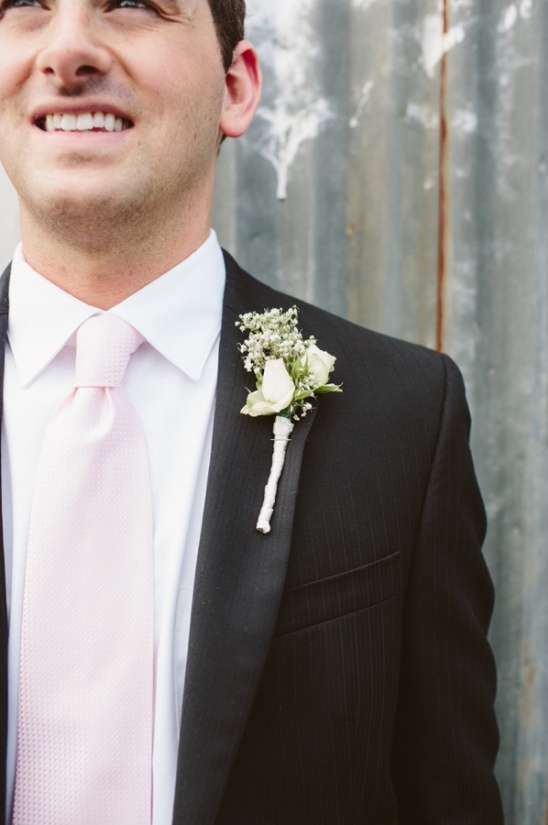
(179, 313)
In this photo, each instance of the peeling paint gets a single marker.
(287, 132)
(432, 37)
(296, 111)
(423, 114)
(364, 4)
(513, 14)
(465, 120)
(365, 95)
(508, 19)
(436, 43)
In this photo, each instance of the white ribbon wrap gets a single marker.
(283, 428)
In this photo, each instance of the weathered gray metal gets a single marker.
(333, 194)
(398, 174)
(496, 298)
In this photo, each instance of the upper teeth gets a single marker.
(84, 122)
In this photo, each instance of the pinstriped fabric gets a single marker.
(374, 702)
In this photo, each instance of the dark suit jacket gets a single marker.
(338, 670)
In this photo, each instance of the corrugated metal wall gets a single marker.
(397, 174)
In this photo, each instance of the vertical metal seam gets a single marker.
(442, 176)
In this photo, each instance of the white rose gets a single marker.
(320, 364)
(276, 393)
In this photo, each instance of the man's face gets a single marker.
(110, 107)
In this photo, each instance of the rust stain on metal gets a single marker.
(442, 209)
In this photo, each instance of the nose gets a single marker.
(73, 49)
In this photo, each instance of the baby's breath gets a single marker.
(274, 334)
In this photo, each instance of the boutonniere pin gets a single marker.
(289, 372)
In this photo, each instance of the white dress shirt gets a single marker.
(171, 380)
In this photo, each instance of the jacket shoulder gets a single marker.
(357, 348)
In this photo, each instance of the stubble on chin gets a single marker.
(91, 223)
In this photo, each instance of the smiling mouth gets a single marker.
(83, 122)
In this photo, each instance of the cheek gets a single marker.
(187, 109)
(5, 80)
(12, 76)
(190, 84)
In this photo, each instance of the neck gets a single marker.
(103, 271)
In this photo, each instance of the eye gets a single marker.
(135, 5)
(129, 4)
(17, 4)
(6, 5)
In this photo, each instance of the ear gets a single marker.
(243, 83)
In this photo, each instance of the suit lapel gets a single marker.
(240, 573)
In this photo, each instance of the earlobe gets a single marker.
(243, 85)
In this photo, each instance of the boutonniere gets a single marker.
(289, 371)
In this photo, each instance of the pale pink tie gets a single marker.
(84, 742)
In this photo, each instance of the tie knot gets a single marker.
(104, 344)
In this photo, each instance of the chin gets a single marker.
(84, 217)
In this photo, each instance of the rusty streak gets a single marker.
(442, 208)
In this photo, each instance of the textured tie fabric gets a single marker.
(84, 741)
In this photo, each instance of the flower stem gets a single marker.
(283, 427)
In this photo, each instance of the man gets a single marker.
(335, 670)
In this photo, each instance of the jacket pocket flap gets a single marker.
(326, 599)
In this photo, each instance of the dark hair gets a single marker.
(229, 17)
